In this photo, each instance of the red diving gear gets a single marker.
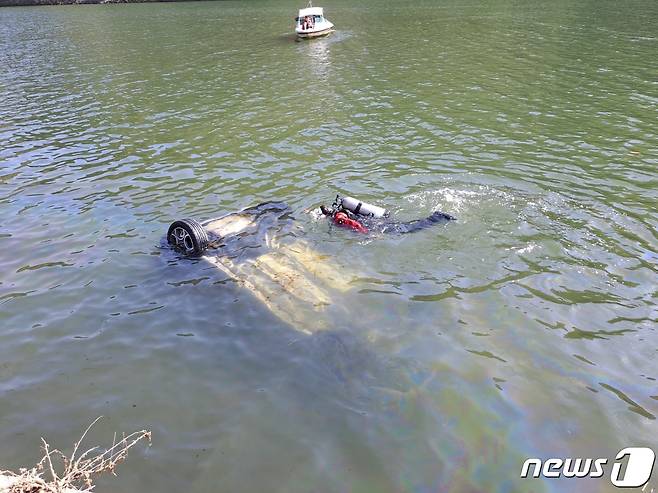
(342, 219)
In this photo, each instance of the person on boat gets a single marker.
(363, 224)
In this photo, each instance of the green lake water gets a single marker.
(525, 329)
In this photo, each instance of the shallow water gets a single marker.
(525, 329)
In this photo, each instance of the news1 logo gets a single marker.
(631, 469)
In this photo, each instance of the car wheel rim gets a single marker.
(182, 239)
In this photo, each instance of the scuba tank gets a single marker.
(362, 208)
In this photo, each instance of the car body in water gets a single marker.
(259, 248)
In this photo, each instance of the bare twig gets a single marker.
(77, 473)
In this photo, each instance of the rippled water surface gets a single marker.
(525, 329)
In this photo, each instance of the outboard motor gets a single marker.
(361, 208)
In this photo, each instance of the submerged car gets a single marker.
(260, 249)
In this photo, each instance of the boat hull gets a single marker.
(315, 34)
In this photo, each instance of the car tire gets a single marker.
(188, 237)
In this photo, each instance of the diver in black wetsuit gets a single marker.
(417, 224)
(364, 224)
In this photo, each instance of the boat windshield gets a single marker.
(308, 21)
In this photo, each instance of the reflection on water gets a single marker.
(316, 54)
(524, 329)
(319, 58)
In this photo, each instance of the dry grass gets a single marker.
(58, 473)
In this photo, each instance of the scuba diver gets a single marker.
(349, 212)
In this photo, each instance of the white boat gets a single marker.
(311, 23)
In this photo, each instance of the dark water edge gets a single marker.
(28, 3)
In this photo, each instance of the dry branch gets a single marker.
(77, 473)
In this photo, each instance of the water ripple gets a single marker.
(525, 328)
